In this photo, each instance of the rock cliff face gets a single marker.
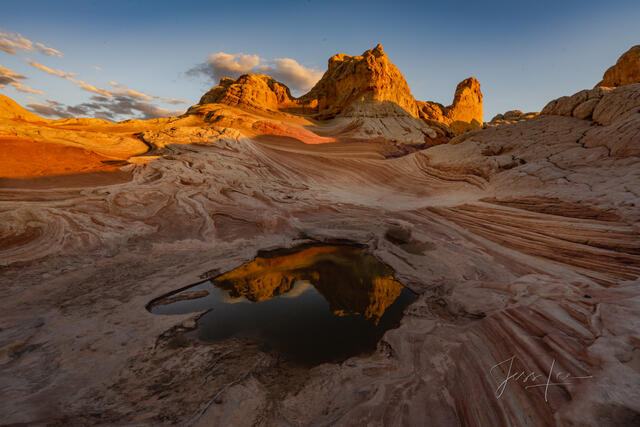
(625, 71)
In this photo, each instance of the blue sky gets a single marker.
(523, 54)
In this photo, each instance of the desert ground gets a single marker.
(520, 237)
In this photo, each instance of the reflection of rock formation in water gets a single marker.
(352, 281)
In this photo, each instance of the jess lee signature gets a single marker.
(531, 379)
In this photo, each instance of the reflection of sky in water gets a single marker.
(343, 310)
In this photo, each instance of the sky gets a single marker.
(139, 59)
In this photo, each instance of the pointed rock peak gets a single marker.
(468, 93)
(470, 83)
(370, 77)
(626, 70)
(377, 51)
(464, 113)
(467, 102)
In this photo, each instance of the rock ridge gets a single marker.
(368, 85)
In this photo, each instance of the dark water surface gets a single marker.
(311, 305)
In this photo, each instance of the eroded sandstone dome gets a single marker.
(625, 71)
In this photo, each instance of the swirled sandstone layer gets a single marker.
(522, 241)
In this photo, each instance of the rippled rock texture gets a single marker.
(522, 241)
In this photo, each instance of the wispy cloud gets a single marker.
(115, 103)
(9, 74)
(46, 69)
(119, 91)
(71, 77)
(90, 88)
(175, 101)
(48, 50)
(124, 91)
(21, 87)
(10, 77)
(286, 70)
(14, 42)
(95, 67)
(115, 108)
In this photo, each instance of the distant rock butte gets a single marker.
(625, 71)
(465, 112)
(368, 85)
(510, 117)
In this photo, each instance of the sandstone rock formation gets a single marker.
(365, 86)
(365, 78)
(250, 91)
(616, 112)
(521, 241)
(625, 71)
(464, 114)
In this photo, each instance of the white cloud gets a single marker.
(49, 51)
(90, 88)
(232, 65)
(46, 69)
(14, 42)
(291, 73)
(285, 70)
(71, 77)
(121, 90)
